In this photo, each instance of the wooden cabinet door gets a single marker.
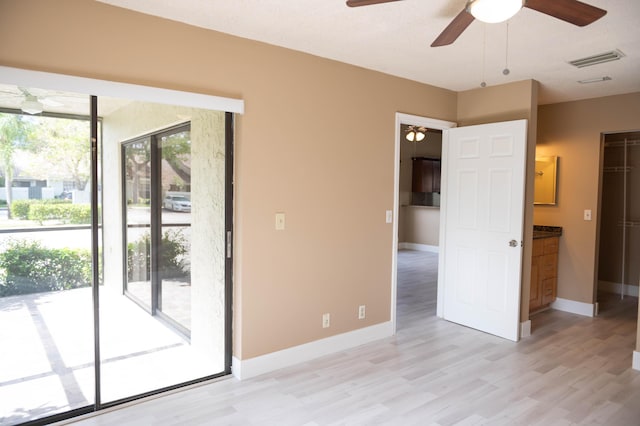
(436, 175)
(535, 299)
(425, 175)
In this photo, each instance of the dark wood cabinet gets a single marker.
(425, 174)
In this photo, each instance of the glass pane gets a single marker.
(175, 246)
(168, 327)
(137, 162)
(46, 307)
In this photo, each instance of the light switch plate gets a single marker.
(279, 221)
(389, 216)
(587, 214)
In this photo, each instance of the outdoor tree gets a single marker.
(16, 133)
(137, 160)
(64, 151)
(176, 151)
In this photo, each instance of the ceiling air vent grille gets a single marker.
(613, 55)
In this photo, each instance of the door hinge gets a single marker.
(229, 240)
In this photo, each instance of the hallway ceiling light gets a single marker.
(31, 105)
(416, 133)
(493, 11)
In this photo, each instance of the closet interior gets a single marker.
(619, 251)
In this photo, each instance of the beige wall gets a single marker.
(506, 102)
(421, 225)
(316, 142)
(572, 131)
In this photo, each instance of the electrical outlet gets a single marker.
(362, 313)
(326, 320)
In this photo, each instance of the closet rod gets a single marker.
(622, 144)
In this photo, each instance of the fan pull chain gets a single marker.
(484, 55)
(506, 70)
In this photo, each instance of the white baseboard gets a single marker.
(525, 329)
(611, 287)
(245, 369)
(636, 360)
(418, 247)
(580, 308)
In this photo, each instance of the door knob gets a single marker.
(513, 243)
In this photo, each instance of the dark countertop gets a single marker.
(543, 231)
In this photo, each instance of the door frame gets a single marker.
(431, 123)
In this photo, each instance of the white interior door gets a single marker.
(483, 212)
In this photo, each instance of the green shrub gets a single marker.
(66, 212)
(28, 267)
(171, 254)
(22, 209)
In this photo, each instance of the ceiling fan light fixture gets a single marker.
(494, 11)
(416, 134)
(31, 105)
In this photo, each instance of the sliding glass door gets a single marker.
(157, 190)
(98, 312)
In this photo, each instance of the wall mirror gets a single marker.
(545, 181)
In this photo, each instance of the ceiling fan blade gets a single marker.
(454, 29)
(572, 11)
(356, 3)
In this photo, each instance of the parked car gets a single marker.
(177, 203)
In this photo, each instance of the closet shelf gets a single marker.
(616, 169)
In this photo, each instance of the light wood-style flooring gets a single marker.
(572, 370)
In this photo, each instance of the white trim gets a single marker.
(636, 360)
(245, 369)
(419, 247)
(611, 287)
(45, 80)
(525, 328)
(580, 308)
(432, 123)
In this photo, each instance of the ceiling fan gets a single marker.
(26, 100)
(492, 11)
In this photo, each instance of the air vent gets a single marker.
(613, 55)
(595, 80)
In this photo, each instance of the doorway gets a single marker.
(403, 195)
(619, 227)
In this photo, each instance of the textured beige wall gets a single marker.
(506, 102)
(572, 131)
(316, 142)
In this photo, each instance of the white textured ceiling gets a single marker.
(394, 38)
